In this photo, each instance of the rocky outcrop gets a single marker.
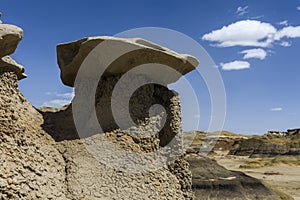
(127, 54)
(89, 178)
(43, 157)
(212, 181)
(149, 133)
(271, 144)
(30, 165)
(212, 143)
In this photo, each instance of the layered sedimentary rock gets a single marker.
(270, 144)
(212, 143)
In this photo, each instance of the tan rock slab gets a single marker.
(71, 55)
(10, 36)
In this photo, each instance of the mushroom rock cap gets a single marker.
(71, 55)
(7, 63)
(10, 36)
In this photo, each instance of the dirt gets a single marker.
(284, 177)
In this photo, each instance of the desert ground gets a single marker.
(284, 177)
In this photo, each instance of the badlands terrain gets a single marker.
(273, 158)
(48, 153)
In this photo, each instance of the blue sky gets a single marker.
(255, 45)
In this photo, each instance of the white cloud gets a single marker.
(276, 109)
(284, 23)
(254, 53)
(298, 7)
(235, 65)
(257, 17)
(69, 95)
(56, 103)
(243, 33)
(288, 32)
(242, 10)
(63, 99)
(285, 44)
(251, 33)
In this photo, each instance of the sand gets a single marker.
(285, 178)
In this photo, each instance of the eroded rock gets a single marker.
(91, 177)
(135, 51)
(10, 36)
(8, 64)
(271, 144)
(30, 165)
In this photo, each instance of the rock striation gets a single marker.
(272, 143)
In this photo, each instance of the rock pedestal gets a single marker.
(144, 65)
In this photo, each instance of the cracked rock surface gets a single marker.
(30, 166)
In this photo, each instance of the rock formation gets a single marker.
(10, 36)
(30, 165)
(43, 155)
(271, 144)
(138, 51)
(212, 181)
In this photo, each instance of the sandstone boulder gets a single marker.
(71, 56)
(10, 36)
